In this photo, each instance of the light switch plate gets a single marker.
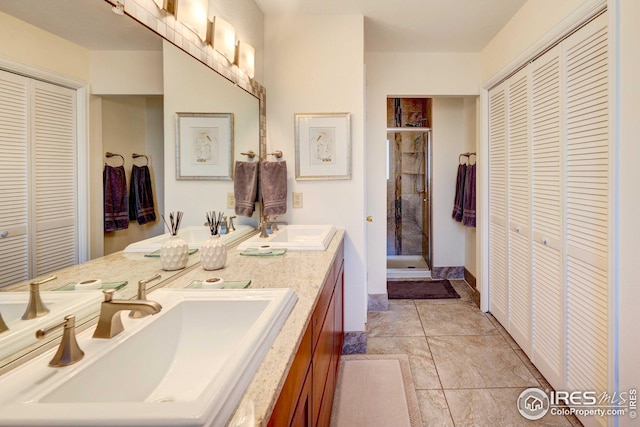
(231, 201)
(297, 200)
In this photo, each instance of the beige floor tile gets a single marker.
(525, 359)
(478, 362)
(401, 319)
(493, 407)
(434, 408)
(502, 331)
(454, 319)
(423, 370)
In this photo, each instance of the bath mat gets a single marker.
(421, 289)
(375, 391)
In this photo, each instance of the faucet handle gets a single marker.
(142, 296)
(231, 218)
(36, 307)
(69, 352)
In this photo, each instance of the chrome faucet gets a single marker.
(142, 296)
(231, 227)
(69, 352)
(109, 323)
(36, 307)
(264, 223)
(3, 326)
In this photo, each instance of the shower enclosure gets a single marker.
(409, 249)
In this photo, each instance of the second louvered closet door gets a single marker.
(518, 110)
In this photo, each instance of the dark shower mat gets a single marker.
(421, 289)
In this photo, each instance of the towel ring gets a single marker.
(460, 158)
(135, 156)
(109, 154)
(474, 160)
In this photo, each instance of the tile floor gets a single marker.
(466, 368)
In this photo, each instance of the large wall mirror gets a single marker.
(137, 85)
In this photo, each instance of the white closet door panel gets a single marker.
(519, 208)
(548, 317)
(587, 207)
(14, 265)
(498, 247)
(55, 200)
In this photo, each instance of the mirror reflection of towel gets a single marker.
(273, 187)
(245, 187)
(141, 207)
(116, 204)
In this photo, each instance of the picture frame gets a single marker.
(323, 146)
(204, 146)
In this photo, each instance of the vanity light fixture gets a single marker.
(193, 14)
(246, 58)
(222, 37)
(168, 5)
(118, 8)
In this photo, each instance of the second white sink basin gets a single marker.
(189, 365)
(295, 238)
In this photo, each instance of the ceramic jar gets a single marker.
(213, 253)
(174, 254)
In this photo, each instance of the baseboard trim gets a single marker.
(354, 342)
(470, 278)
(378, 302)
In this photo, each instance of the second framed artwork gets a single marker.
(323, 146)
(204, 146)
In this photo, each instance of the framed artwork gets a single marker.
(204, 146)
(323, 146)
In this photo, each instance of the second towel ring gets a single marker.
(135, 156)
(109, 154)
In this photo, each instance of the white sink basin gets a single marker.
(21, 333)
(295, 238)
(189, 365)
(195, 236)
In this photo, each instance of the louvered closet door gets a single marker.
(54, 177)
(498, 271)
(519, 194)
(546, 175)
(587, 223)
(13, 179)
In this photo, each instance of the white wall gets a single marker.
(628, 201)
(314, 64)
(191, 87)
(126, 72)
(447, 143)
(470, 146)
(407, 74)
(534, 19)
(27, 44)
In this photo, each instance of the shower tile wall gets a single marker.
(410, 146)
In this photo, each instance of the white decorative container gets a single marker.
(213, 253)
(174, 254)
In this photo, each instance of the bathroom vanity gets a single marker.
(295, 382)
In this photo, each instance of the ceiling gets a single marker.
(88, 23)
(413, 25)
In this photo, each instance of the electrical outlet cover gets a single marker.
(297, 200)
(231, 201)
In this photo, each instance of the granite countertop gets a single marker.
(303, 271)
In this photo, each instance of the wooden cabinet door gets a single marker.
(302, 416)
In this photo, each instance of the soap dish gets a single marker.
(256, 252)
(239, 284)
(105, 285)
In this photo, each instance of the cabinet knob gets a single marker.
(369, 218)
(3, 234)
(544, 241)
(517, 229)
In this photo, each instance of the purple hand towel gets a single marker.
(273, 187)
(469, 202)
(141, 196)
(245, 187)
(116, 213)
(459, 199)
